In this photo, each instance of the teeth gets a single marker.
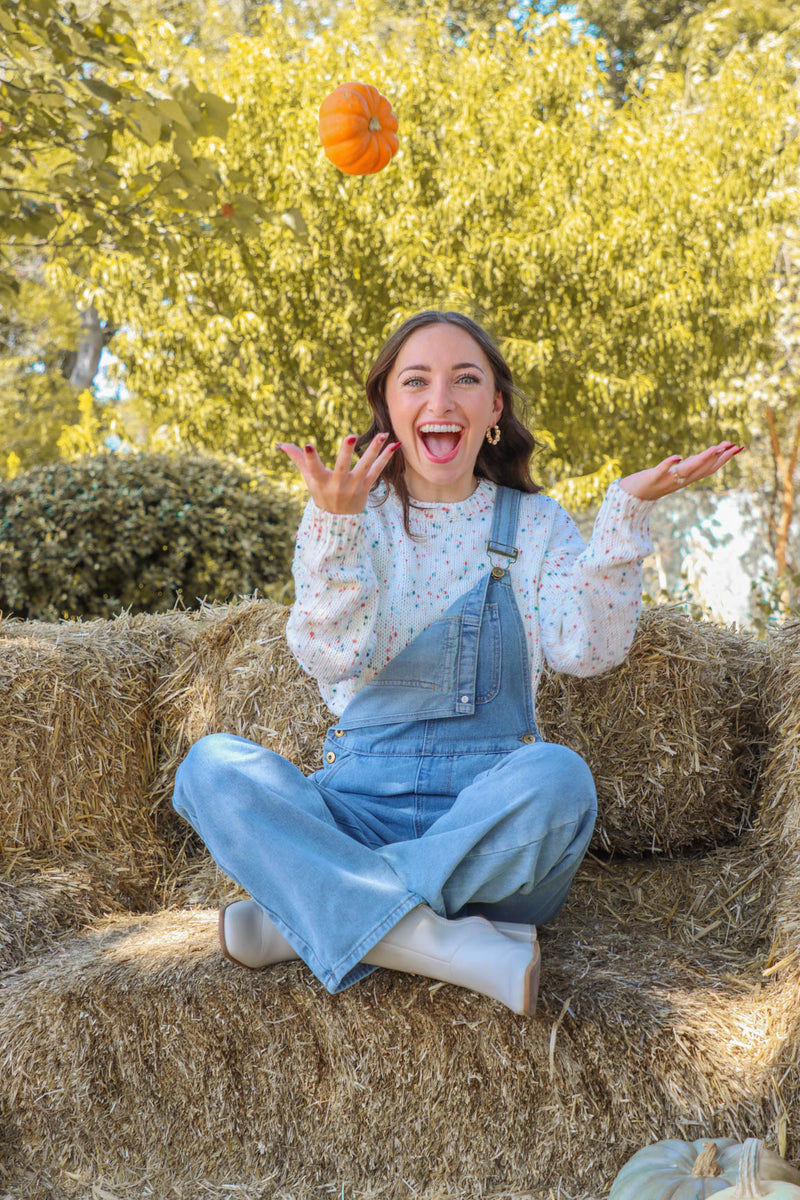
(440, 429)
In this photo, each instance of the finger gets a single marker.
(722, 458)
(710, 457)
(372, 451)
(299, 458)
(293, 452)
(699, 466)
(344, 459)
(381, 462)
(671, 470)
(313, 462)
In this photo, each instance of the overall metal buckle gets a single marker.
(511, 555)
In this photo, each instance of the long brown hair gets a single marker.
(508, 463)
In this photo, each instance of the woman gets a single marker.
(432, 580)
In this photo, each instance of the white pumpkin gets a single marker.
(676, 1170)
(750, 1185)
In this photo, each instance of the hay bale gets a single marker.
(719, 899)
(236, 675)
(673, 736)
(78, 745)
(184, 1074)
(779, 819)
(240, 677)
(97, 716)
(141, 1042)
(37, 909)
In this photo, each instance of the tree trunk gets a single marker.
(90, 348)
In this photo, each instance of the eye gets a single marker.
(412, 380)
(468, 379)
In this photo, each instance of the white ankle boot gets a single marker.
(469, 952)
(499, 959)
(249, 938)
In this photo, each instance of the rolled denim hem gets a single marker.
(350, 969)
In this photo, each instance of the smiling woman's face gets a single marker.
(441, 398)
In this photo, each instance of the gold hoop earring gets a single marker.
(493, 435)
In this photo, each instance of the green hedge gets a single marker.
(92, 537)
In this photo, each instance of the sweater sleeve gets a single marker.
(590, 597)
(331, 625)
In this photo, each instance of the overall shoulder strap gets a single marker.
(504, 524)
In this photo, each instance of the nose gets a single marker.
(439, 398)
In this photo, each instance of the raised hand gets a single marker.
(345, 488)
(675, 472)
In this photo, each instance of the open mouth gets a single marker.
(440, 441)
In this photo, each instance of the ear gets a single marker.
(497, 408)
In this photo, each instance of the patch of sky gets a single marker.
(107, 389)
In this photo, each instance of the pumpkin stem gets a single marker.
(374, 124)
(706, 1163)
(749, 1186)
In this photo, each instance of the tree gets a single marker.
(621, 255)
(771, 391)
(689, 37)
(77, 97)
(98, 154)
(37, 331)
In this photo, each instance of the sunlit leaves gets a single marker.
(77, 95)
(622, 256)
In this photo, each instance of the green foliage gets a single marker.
(97, 146)
(37, 331)
(644, 38)
(621, 255)
(89, 538)
(88, 435)
(775, 600)
(770, 393)
(586, 491)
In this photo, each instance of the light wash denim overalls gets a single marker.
(436, 788)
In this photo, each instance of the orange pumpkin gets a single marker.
(357, 129)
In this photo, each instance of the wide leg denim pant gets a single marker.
(436, 788)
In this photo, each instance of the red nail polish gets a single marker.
(309, 449)
(351, 440)
(394, 446)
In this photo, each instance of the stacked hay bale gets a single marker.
(778, 828)
(137, 1039)
(79, 832)
(673, 736)
(142, 1042)
(236, 677)
(780, 808)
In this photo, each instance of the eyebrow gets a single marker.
(456, 367)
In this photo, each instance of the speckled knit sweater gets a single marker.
(365, 589)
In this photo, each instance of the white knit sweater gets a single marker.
(365, 589)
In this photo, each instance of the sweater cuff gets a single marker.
(627, 517)
(337, 536)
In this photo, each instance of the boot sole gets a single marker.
(531, 982)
